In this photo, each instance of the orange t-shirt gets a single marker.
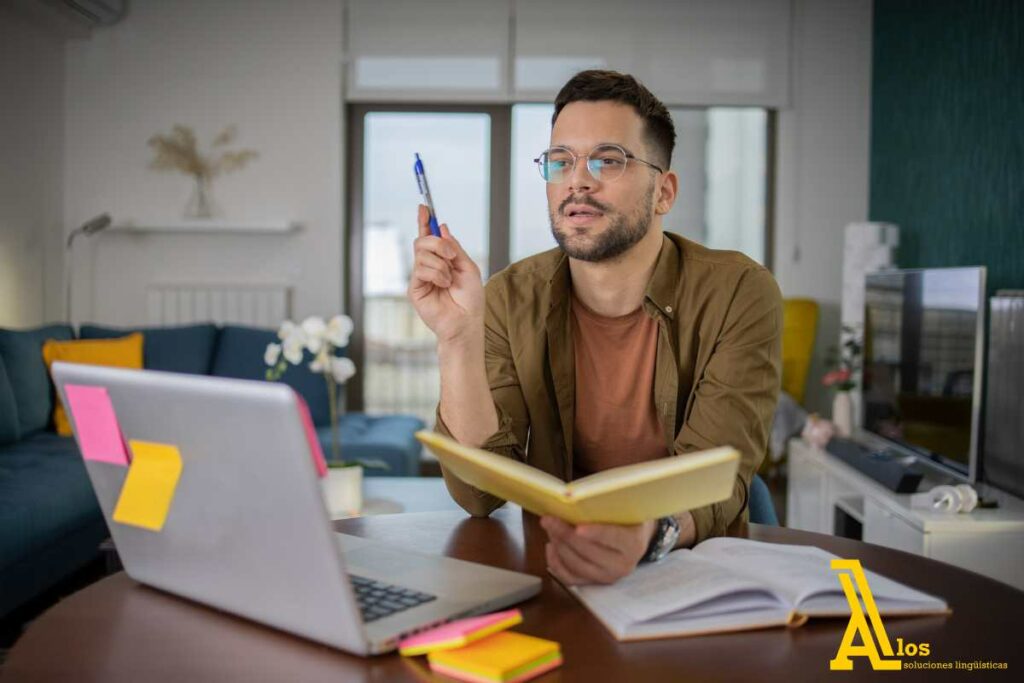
(615, 420)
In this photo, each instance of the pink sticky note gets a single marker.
(99, 435)
(314, 443)
(459, 633)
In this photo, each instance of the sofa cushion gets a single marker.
(390, 438)
(9, 431)
(240, 352)
(22, 353)
(44, 494)
(121, 352)
(186, 348)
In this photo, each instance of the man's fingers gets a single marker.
(434, 276)
(609, 560)
(584, 567)
(461, 259)
(432, 260)
(559, 569)
(423, 220)
(609, 536)
(434, 245)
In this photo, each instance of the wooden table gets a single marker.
(119, 630)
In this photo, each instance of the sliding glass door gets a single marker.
(393, 349)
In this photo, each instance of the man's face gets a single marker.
(594, 220)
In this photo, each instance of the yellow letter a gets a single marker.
(859, 626)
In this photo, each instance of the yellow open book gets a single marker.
(622, 495)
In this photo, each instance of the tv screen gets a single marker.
(923, 340)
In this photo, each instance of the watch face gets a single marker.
(665, 537)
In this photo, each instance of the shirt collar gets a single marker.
(661, 288)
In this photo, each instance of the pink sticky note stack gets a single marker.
(459, 633)
(99, 435)
(314, 443)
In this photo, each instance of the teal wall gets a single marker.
(947, 133)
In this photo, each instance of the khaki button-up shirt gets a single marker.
(717, 372)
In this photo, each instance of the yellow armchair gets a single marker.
(799, 328)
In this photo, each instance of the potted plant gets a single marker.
(842, 379)
(343, 485)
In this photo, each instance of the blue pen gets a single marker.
(421, 180)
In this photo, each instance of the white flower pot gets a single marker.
(842, 413)
(343, 491)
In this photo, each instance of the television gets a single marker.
(923, 364)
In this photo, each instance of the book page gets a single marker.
(680, 582)
(803, 575)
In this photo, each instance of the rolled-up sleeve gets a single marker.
(513, 423)
(736, 393)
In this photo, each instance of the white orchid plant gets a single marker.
(322, 340)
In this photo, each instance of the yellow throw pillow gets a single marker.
(123, 352)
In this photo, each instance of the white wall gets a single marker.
(823, 160)
(272, 68)
(31, 160)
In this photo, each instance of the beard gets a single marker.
(623, 231)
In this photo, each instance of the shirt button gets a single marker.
(668, 309)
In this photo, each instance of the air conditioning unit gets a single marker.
(96, 12)
(70, 18)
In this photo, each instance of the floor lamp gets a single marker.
(90, 227)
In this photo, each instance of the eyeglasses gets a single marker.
(605, 163)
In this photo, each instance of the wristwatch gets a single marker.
(666, 533)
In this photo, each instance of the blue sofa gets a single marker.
(50, 523)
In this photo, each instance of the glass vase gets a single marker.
(200, 203)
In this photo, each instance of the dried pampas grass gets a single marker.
(177, 151)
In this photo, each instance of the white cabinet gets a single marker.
(825, 495)
(883, 527)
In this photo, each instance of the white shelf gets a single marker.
(208, 226)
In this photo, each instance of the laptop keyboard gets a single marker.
(378, 600)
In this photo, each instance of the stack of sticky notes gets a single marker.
(481, 650)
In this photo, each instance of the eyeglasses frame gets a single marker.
(626, 153)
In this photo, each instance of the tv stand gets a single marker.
(826, 495)
(894, 470)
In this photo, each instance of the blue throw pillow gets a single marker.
(240, 353)
(187, 348)
(22, 354)
(9, 432)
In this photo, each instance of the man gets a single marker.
(624, 344)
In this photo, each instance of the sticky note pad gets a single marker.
(505, 657)
(99, 435)
(149, 487)
(314, 443)
(459, 633)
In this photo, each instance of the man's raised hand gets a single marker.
(445, 287)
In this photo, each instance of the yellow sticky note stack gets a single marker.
(149, 487)
(505, 657)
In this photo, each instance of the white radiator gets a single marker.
(262, 305)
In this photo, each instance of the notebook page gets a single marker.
(802, 573)
(682, 580)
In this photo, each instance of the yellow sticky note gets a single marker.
(149, 487)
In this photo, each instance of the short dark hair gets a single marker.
(598, 85)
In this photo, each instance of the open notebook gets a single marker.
(732, 584)
(629, 494)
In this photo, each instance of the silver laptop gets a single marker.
(248, 531)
